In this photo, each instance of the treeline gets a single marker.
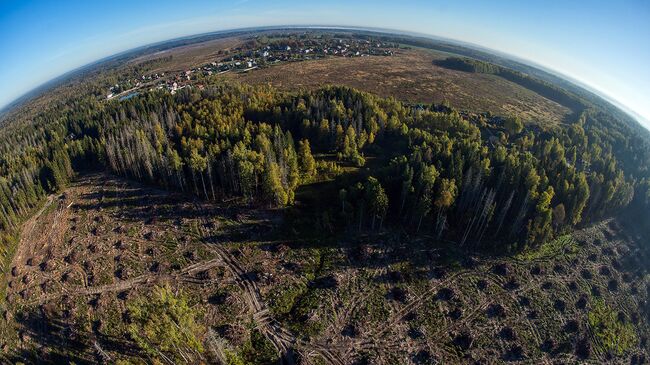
(34, 161)
(543, 88)
(519, 191)
(482, 184)
(234, 140)
(469, 65)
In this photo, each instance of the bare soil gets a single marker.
(374, 299)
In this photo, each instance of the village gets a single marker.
(252, 55)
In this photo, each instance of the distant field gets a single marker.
(94, 80)
(411, 76)
(190, 56)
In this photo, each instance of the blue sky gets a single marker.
(604, 44)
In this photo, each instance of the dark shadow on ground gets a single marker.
(56, 340)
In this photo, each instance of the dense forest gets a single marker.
(484, 182)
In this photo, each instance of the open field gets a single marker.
(374, 299)
(410, 75)
(189, 56)
(95, 79)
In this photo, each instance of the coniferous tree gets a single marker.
(306, 161)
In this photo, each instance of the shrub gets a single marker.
(612, 334)
(259, 350)
(164, 322)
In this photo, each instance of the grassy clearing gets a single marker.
(562, 246)
(613, 335)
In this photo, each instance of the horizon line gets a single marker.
(640, 119)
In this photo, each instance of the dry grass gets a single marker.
(410, 75)
(190, 56)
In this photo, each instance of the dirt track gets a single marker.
(86, 255)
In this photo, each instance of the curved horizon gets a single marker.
(155, 34)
